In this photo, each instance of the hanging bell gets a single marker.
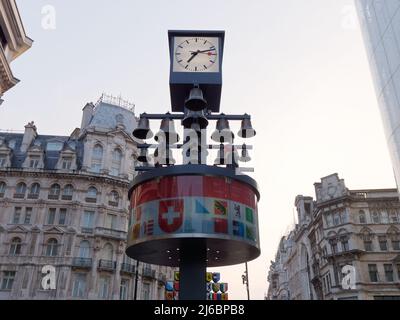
(245, 154)
(196, 101)
(195, 117)
(223, 132)
(246, 130)
(143, 156)
(143, 129)
(167, 132)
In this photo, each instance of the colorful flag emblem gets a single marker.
(176, 275)
(215, 287)
(176, 285)
(148, 228)
(249, 215)
(237, 214)
(221, 226)
(170, 215)
(250, 233)
(169, 286)
(225, 297)
(201, 208)
(209, 277)
(223, 287)
(220, 207)
(209, 286)
(238, 229)
(169, 295)
(216, 277)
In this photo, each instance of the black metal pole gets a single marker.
(136, 279)
(192, 269)
(247, 282)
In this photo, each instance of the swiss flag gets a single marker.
(170, 215)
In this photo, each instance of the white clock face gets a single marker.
(196, 54)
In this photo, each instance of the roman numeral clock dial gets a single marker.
(196, 54)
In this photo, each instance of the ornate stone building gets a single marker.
(63, 202)
(359, 229)
(13, 42)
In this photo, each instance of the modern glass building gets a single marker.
(380, 22)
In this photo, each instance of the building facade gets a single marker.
(14, 42)
(380, 23)
(341, 231)
(64, 203)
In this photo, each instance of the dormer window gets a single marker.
(34, 162)
(54, 146)
(3, 160)
(66, 163)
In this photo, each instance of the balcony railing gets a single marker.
(128, 268)
(33, 196)
(67, 198)
(149, 273)
(107, 265)
(113, 203)
(54, 196)
(82, 262)
(19, 196)
(87, 230)
(91, 200)
(111, 233)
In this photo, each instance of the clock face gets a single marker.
(196, 54)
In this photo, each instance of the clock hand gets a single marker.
(193, 55)
(202, 51)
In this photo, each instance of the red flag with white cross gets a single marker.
(170, 215)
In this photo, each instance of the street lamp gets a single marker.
(245, 280)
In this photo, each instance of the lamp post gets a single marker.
(245, 279)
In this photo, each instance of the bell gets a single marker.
(196, 101)
(246, 130)
(195, 117)
(245, 154)
(143, 156)
(223, 132)
(163, 157)
(143, 129)
(167, 131)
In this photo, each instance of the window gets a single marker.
(3, 160)
(373, 272)
(384, 217)
(62, 217)
(146, 291)
(389, 272)
(8, 280)
(20, 190)
(68, 192)
(34, 191)
(334, 248)
(54, 193)
(329, 220)
(88, 219)
(28, 215)
(375, 217)
(343, 217)
(116, 162)
(383, 243)
(368, 245)
(114, 198)
(97, 158)
(396, 244)
(91, 195)
(66, 163)
(2, 189)
(15, 247)
(345, 245)
(84, 250)
(111, 221)
(362, 217)
(336, 219)
(17, 215)
(51, 248)
(107, 252)
(79, 286)
(51, 216)
(394, 217)
(34, 162)
(104, 284)
(123, 290)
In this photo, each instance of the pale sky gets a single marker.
(299, 67)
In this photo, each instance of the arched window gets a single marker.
(97, 158)
(108, 252)
(116, 162)
(20, 190)
(376, 217)
(68, 192)
(362, 217)
(15, 248)
(34, 191)
(84, 249)
(55, 191)
(51, 248)
(114, 199)
(2, 189)
(91, 195)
